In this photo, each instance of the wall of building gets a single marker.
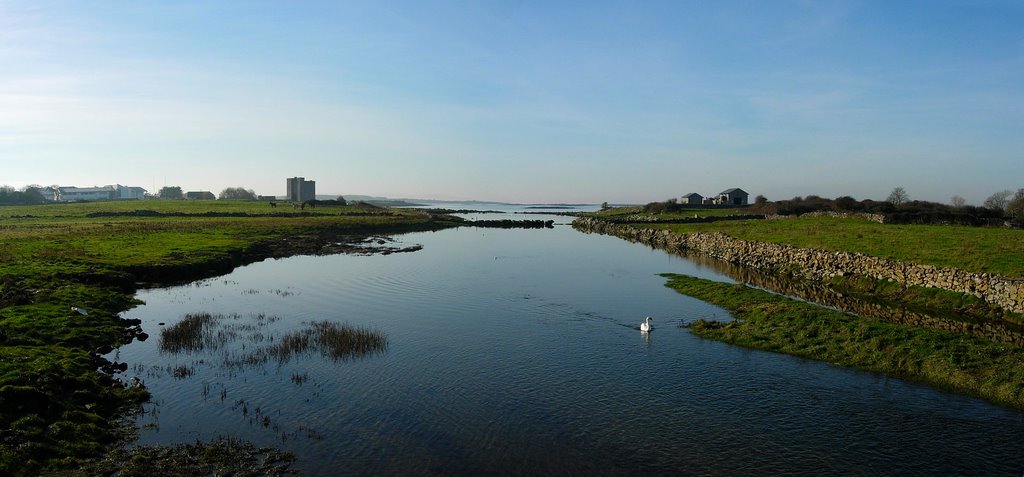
(300, 190)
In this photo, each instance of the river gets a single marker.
(519, 352)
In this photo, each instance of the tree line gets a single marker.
(28, 196)
(898, 207)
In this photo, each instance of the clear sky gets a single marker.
(522, 101)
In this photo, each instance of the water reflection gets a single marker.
(532, 366)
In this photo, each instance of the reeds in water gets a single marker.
(205, 332)
(189, 334)
(336, 341)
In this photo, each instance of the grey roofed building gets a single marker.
(692, 198)
(734, 196)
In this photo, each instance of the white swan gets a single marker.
(646, 325)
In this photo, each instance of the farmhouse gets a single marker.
(733, 197)
(692, 198)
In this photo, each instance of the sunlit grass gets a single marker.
(53, 257)
(975, 249)
(948, 360)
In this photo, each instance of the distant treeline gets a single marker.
(28, 196)
(910, 212)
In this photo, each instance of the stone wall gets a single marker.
(821, 265)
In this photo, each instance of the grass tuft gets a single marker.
(336, 341)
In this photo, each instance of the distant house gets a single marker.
(50, 194)
(692, 198)
(733, 197)
(71, 193)
(128, 193)
(110, 192)
(200, 195)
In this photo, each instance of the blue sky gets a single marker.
(517, 101)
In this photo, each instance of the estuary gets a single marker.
(519, 352)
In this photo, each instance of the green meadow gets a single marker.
(57, 409)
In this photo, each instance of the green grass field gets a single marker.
(81, 209)
(952, 361)
(975, 249)
(56, 408)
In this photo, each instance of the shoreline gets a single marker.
(946, 360)
(63, 406)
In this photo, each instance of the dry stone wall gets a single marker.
(822, 265)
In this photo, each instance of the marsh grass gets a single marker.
(339, 342)
(56, 256)
(192, 333)
(246, 342)
(952, 361)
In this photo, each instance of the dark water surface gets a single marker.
(518, 352)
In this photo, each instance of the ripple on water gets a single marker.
(533, 365)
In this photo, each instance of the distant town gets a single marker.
(297, 189)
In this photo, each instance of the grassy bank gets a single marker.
(624, 212)
(951, 361)
(56, 409)
(974, 249)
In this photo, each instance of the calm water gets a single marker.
(518, 352)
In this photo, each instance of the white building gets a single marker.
(129, 193)
(110, 192)
(71, 194)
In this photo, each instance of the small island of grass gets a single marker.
(952, 361)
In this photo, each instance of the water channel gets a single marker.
(518, 352)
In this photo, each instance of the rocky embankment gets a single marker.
(823, 294)
(821, 265)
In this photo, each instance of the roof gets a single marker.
(85, 190)
(733, 190)
(691, 194)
